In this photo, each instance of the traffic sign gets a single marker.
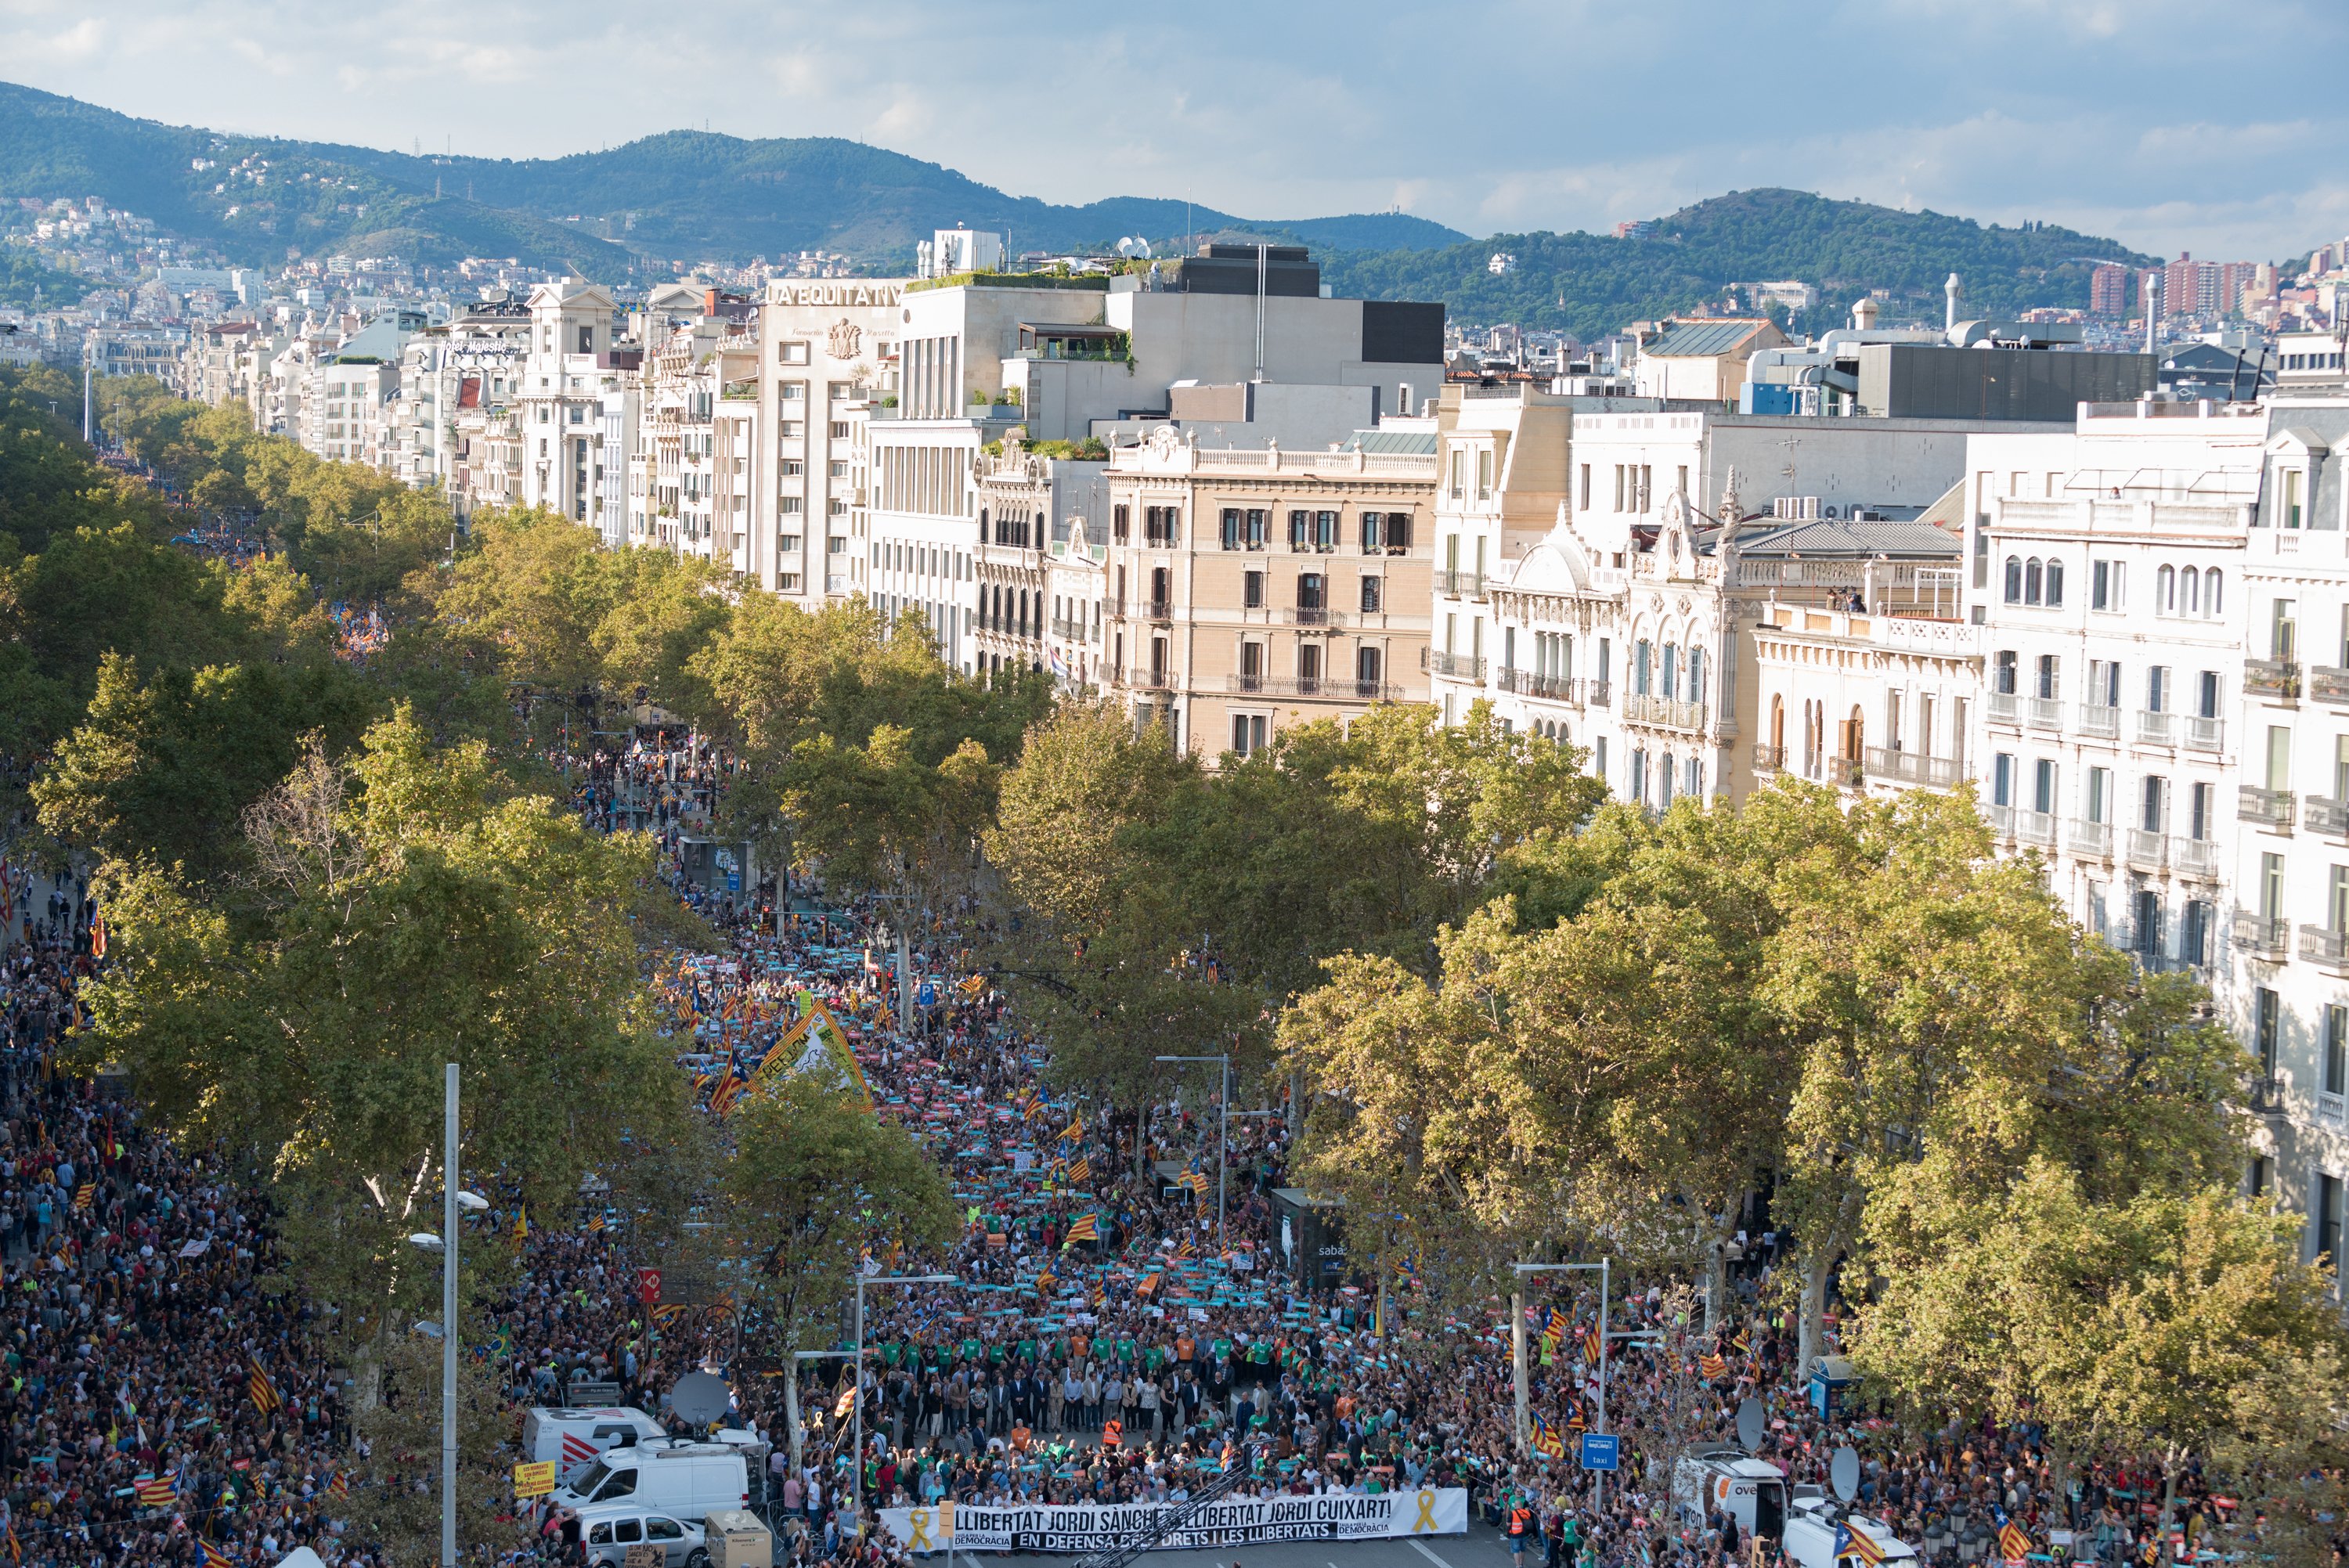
(1599, 1451)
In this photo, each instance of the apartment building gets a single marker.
(454, 379)
(1604, 562)
(2290, 1000)
(1028, 507)
(830, 356)
(1248, 590)
(574, 362)
(1235, 342)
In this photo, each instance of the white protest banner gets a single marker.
(1233, 1521)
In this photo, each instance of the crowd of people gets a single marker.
(1107, 1339)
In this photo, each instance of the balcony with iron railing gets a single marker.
(2325, 818)
(2196, 858)
(1454, 667)
(2271, 678)
(1667, 712)
(1455, 583)
(1890, 765)
(2093, 840)
(2042, 713)
(2035, 828)
(2270, 809)
(2328, 683)
(2001, 822)
(1769, 758)
(2096, 720)
(2002, 707)
(2149, 850)
(2326, 948)
(1147, 679)
(2156, 728)
(2201, 734)
(1548, 688)
(1310, 615)
(1846, 772)
(1328, 688)
(2265, 935)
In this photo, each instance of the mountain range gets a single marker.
(690, 196)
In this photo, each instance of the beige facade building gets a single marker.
(1247, 591)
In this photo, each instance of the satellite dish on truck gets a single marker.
(1843, 1473)
(1748, 1423)
(700, 1397)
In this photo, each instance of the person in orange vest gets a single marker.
(1520, 1527)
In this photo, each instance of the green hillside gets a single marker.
(1593, 283)
(681, 196)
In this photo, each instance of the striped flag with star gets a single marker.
(216, 1558)
(2013, 1541)
(155, 1491)
(1546, 1438)
(265, 1393)
(1087, 1228)
(1197, 1181)
(1712, 1366)
(1554, 1331)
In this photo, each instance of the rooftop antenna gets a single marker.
(1261, 265)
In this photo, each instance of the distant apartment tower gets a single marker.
(2108, 290)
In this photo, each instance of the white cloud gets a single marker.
(1485, 114)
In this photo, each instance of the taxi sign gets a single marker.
(1599, 1451)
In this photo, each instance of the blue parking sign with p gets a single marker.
(1599, 1451)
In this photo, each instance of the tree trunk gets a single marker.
(1716, 1284)
(791, 1408)
(1818, 1267)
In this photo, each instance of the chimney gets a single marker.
(709, 302)
(1950, 290)
(1863, 313)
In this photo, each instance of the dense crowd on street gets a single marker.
(159, 1404)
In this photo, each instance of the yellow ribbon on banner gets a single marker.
(1426, 1519)
(918, 1520)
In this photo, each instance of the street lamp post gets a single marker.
(1224, 1141)
(453, 1200)
(856, 1464)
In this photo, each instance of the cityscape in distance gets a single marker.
(749, 849)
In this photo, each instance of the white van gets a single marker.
(572, 1440)
(606, 1531)
(685, 1479)
(1811, 1534)
(1730, 1481)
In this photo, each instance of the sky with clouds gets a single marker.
(2166, 124)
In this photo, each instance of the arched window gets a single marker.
(1672, 670)
(2031, 576)
(1696, 675)
(2014, 580)
(2165, 589)
(2054, 585)
(2189, 591)
(2212, 582)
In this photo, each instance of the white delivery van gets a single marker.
(687, 1479)
(572, 1440)
(1730, 1481)
(607, 1532)
(1811, 1535)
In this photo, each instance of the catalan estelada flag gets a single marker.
(216, 1558)
(1546, 1438)
(264, 1391)
(155, 1491)
(1086, 1229)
